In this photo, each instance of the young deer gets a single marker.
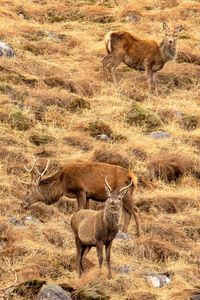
(98, 228)
(140, 54)
(83, 180)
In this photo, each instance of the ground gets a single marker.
(55, 104)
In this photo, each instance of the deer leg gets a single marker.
(149, 74)
(87, 204)
(111, 61)
(127, 217)
(81, 199)
(136, 215)
(99, 246)
(155, 83)
(107, 249)
(84, 252)
(130, 208)
(79, 248)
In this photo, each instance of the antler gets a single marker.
(45, 169)
(29, 170)
(108, 184)
(126, 187)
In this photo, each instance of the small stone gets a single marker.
(123, 236)
(103, 137)
(6, 50)
(158, 280)
(159, 135)
(30, 219)
(123, 270)
(15, 221)
(52, 291)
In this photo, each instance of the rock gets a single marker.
(123, 270)
(158, 280)
(159, 135)
(24, 221)
(123, 236)
(30, 219)
(195, 297)
(103, 137)
(15, 221)
(2, 243)
(6, 50)
(53, 291)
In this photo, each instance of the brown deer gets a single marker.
(98, 228)
(140, 54)
(83, 180)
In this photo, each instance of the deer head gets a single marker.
(33, 195)
(114, 200)
(171, 35)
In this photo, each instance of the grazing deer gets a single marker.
(83, 180)
(140, 54)
(98, 228)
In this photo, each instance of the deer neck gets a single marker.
(50, 191)
(168, 53)
(112, 219)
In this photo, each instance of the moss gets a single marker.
(40, 139)
(98, 127)
(33, 49)
(78, 104)
(15, 118)
(143, 117)
(190, 122)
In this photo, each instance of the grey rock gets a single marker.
(21, 15)
(159, 135)
(15, 221)
(2, 243)
(24, 221)
(195, 297)
(52, 291)
(30, 219)
(6, 50)
(158, 280)
(103, 137)
(123, 236)
(123, 270)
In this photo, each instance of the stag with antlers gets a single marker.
(84, 181)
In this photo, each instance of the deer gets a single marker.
(98, 228)
(140, 54)
(83, 181)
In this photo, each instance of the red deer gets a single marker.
(98, 228)
(139, 54)
(83, 180)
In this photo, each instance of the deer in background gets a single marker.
(84, 181)
(98, 228)
(140, 54)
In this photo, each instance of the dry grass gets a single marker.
(54, 104)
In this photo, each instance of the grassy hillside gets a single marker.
(54, 104)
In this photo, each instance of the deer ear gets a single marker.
(123, 193)
(107, 191)
(179, 28)
(165, 26)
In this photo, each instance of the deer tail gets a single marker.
(134, 179)
(107, 41)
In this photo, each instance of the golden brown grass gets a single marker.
(54, 103)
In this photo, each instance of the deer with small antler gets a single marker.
(140, 54)
(98, 228)
(84, 181)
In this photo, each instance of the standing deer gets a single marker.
(83, 180)
(140, 54)
(98, 228)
